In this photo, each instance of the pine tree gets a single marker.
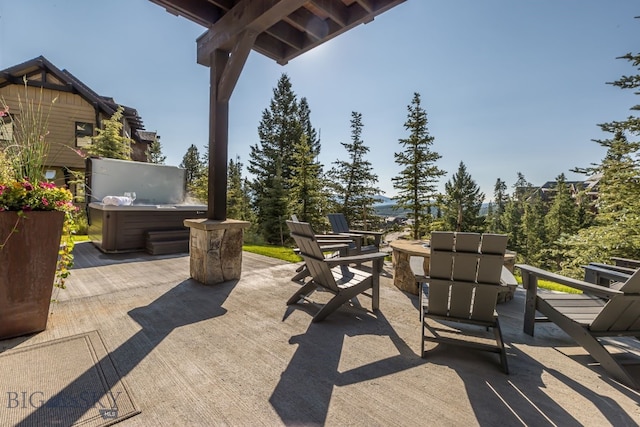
(560, 221)
(416, 183)
(110, 142)
(238, 200)
(533, 243)
(272, 158)
(154, 152)
(353, 182)
(497, 207)
(307, 129)
(514, 212)
(273, 206)
(192, 165)
(462, 201)
(306, 186)
(616, 228)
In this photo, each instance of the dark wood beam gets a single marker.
(218, 140)
(272, 48)
(256, 15)
(287, 34)
(306, 21)
(368, 5)
(336, 10)
(233, 68)
(194, 10)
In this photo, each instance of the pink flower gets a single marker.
(27, 186)
(45, 201)
(80, 153)
(4, 112)
(47, 185)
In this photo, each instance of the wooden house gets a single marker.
(73, 118)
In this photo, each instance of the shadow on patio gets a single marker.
(233, 354)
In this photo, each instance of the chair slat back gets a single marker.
(632, 285)
(621, 312)
(338, 223)
(464, 272)
(305, 239)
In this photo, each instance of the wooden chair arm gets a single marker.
(604, 274)
(590, 288)
(626, 262)
(355, 259)
(369, 233)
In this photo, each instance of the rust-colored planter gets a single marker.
(27, 270)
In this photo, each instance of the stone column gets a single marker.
(215, 249)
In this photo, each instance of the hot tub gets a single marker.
(159, 206)
(123, 228)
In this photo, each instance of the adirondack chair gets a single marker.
(463, 283)
(334, 274)
(597, 313)
(606, 274)
(334, 243)
(360, 245)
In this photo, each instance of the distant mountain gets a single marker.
(385, 200)
(386, 208)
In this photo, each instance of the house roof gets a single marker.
(63, 80)
(147, 136)
(285, 28)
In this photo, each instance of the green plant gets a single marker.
(24, 197)
(23, 187)
(279, 252)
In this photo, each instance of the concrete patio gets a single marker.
(234, 354)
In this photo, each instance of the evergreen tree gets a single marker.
(110, 142)
(192, 165)
(497, 207)
(307, 129)
(462, 201)
(560, 221)
(416, 183)
(352, 181)
(562, 217)
(238, 201)
(306, 185)
(154, 152)
(616, 228)
(272, 158)
(513, 213)
(273, 206)
(533, 242)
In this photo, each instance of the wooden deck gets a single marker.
(234, 354)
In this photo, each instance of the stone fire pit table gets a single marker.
(404, 276)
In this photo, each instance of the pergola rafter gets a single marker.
(278, 29)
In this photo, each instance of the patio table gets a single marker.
(404, 276)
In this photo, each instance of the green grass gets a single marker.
(279, 252)
(552, 286)
(287, 254)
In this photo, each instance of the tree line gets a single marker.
(560, 229)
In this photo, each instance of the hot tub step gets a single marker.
(164, 242)
(168, 247)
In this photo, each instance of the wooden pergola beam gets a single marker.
(234, 66)
(336, 10)
(246, 14)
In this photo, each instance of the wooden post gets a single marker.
(530, 283)
(218, 140)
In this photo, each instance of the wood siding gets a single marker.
(67, 109)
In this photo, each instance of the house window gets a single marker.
(84, 132)
(6, 128)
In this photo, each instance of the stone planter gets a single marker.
(27, 270)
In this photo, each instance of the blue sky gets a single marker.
(508, 86)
